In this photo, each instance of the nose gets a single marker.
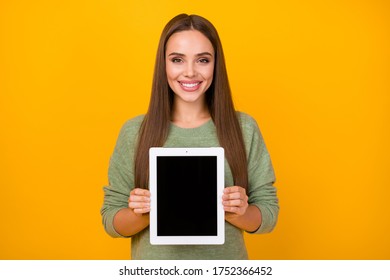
(190, 70)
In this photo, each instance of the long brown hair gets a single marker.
(155, 126)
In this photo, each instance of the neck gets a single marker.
(189, 115)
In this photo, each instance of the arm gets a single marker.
(131, 220)
(261, 191)
(119, 219)
(127, 223)
(249, 222)
(238, 212)
(257, 210)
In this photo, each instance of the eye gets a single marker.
(176, 60)
(204, 60)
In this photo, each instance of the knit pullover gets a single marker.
(261, 191)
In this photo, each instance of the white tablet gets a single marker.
(186, 187)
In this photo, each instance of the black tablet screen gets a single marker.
(186, 195)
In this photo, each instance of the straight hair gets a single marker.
(155, 125)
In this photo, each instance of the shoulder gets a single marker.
(247, 122)
(134, 122)
(132, 126)
(250, 131)
(129, 131)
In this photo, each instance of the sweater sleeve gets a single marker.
(120, 177)
(261, 191)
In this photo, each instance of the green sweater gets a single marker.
(261, 191)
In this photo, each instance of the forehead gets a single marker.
(189, 42)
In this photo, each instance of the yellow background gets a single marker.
(314, 74)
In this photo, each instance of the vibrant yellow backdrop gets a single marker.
(314, 74)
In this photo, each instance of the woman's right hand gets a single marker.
(139, 201)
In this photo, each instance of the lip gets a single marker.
(190, 85)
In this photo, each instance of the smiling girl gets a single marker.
(191, 106)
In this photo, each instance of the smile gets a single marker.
(190, 86)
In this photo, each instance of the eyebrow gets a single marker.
(198, 54)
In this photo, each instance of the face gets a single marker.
(189, 61)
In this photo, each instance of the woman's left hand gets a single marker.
(235, 201)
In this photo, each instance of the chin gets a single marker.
(188, 99)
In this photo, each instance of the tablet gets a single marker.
(186, 187)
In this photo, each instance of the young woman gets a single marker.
(191, 106)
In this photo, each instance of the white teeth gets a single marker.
(190, 85)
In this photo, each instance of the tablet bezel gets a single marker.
(186, 240)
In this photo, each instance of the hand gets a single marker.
(235, 201)
(139, 201)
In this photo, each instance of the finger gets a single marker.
(236, 202)
(135, 205)
(231, 209)
(135, 198)
(234, 189)
(235, 195)
(142, 210)
(139, 191)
